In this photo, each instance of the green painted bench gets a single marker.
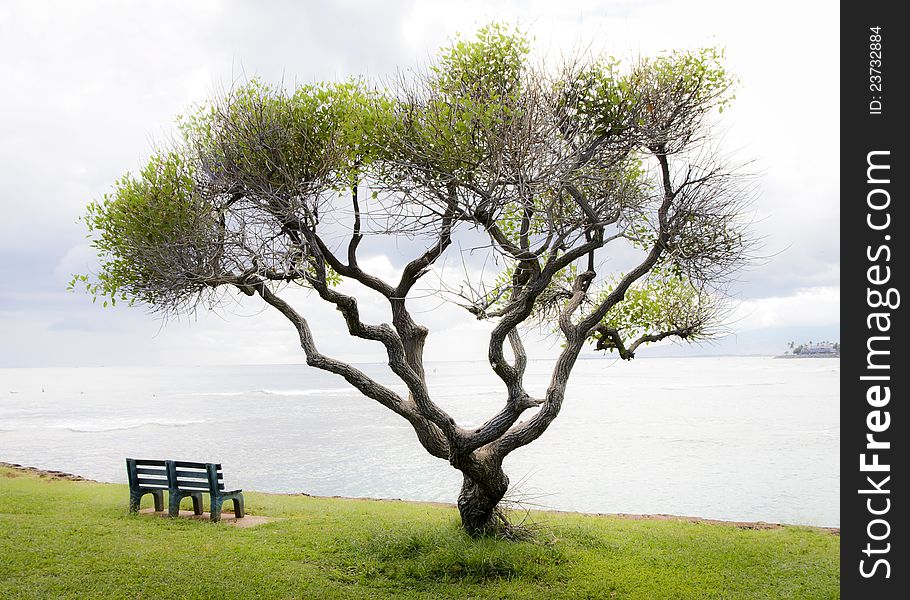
(192, 479)
(181, 480)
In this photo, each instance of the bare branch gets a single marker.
(429, 435)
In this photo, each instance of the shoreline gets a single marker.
(754, 525)
(801, 356)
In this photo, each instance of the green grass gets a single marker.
(75, 539)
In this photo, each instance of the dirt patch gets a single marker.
(757, 525)
(227, 518)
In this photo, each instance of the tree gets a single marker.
(550, 166)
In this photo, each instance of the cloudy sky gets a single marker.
(89, 86)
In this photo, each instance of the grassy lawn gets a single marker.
(75, 539)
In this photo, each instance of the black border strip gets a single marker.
(874, 267)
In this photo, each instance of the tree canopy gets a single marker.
(553, 165)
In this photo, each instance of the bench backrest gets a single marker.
(146, 473)
(195, 476)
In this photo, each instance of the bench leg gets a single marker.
(135, 499)
(197, 504)
(159, 500)
(215, 509)
(238, 506)
(173, 508)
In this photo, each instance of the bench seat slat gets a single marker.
(141, 462)
(196, 485)
(192, 474)
(160, 472)
(144, 482)
(196, 475)
(192, 465)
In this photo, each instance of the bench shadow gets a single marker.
(227, 518)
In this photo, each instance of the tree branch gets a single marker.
(534, 427)
(357, 236)
(517, 402)
(429, 435)
(611, 339)
(594, 317)
(395, 348)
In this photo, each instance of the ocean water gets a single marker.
(743, 438)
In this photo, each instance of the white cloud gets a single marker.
(808, 307)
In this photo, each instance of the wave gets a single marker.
(311, 392)
(317, 392)
(101, 428)
(692, 386)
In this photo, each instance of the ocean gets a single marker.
(737, 438)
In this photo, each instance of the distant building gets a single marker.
(823, 348)
(812, 350)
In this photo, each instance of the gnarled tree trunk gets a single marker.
(483, 488)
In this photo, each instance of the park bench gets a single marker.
(181, 479)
